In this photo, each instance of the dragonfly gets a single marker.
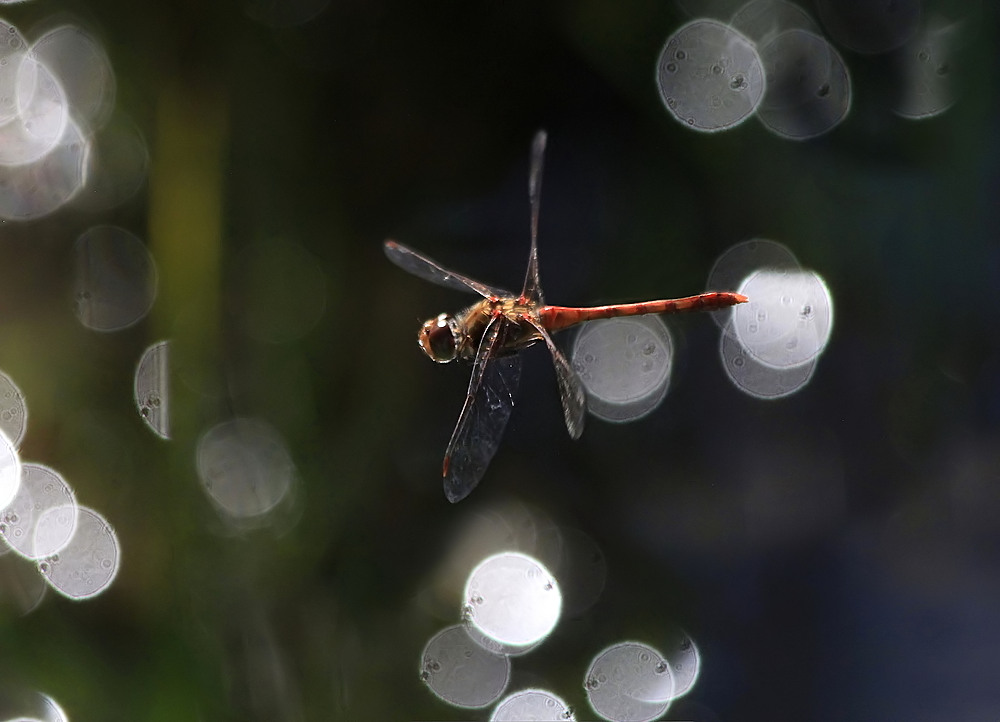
(490, 334)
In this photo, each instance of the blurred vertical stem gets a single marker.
(186, 217)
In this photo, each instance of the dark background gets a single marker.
(834, 554)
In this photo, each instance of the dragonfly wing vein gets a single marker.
(423, 267)
(532, 289)
(571, 392)
(484, 416)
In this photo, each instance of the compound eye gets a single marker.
(437, 339)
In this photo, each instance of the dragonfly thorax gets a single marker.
(439, 338)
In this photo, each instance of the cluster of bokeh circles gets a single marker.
(519, 573)
(771, 60)
(60, 140)
(72, 547)
(63, 145)
(769, 347)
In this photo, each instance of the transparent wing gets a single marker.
(419, 265)
(571, 391)
(532, 290)
(484, 416)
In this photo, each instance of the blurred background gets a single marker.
(228, 173)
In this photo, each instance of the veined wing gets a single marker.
(571, 392)
(420, 265)
(484, 416)
(532, 290)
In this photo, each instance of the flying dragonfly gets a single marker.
(490, 333)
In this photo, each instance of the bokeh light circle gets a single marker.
(623, 677)
(742, 260)
(682, 654)
(758, 380)
(808, 86)
(244, 467)
(709, 76)
(462, 673)
(116, 280)
(23, 587)
(10, 471)
(13, 410)
(762, 20)
(41, 116)
(84, 72)
(624, 364)
(12, 49)
(512, 598)
(787, 321)
(117, 165)
(930, 70)
(538, 705)
(89, 563)
(151, 388)
(41, 519)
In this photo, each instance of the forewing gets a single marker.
(571, 391)
(420, 265)
(532, 290)
(484, 415)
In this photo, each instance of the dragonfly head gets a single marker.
(439, 338)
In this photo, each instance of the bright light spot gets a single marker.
(740, 261)
(88, 565)
(29, 706)
(770, 345)
(12, 49)
(31, 191)
(575, 559)
(928, 64)
(13, 410)
(623, 677)
(787, 321)
(513, 599)
(870, 27)
(41, 112)
(244, 467)
(483, 532)
(115, 283)
(52, 712)
(54, 94)
(808, 87)
(758, 380)
(10, 471)
(710, 77)
(532, 704)
(762, 20)
(152, 388)
(625, 365)
(460, 672)
(41, 519)
(83, 70)
(275, 310)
